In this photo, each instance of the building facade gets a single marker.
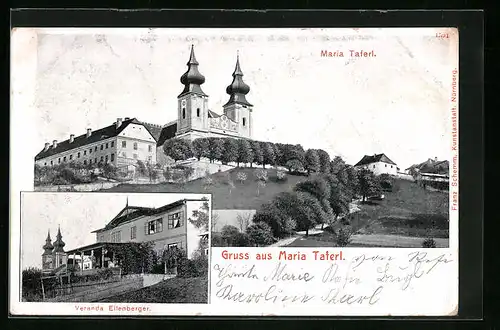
(127, 141)
(378, 164)
(122, 143)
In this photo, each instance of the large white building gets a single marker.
(126, 141)
(378, 164)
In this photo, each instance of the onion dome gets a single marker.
(59, 244)
(192, 78)
(238, 89)
(48, 247)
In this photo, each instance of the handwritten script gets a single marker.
(360, 279)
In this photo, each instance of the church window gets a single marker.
(183, 113)
(135, 145)
(385, 165)
(107, 145)
(90, 150)
(84, 152)
(84, 162)
(102, 146)
(45, 164)
(373, 166)
(90, 161)
(244, 121)
(64, 159)
(78, 154)
(70, 157)
(51, 162)
(95, 148)
(106, 159)
(102, 158)
(112, 144)
(124, 144)
(112, 157)
(95, 160)
(59, 160)
(198, 112)
(150, 148)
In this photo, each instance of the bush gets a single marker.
(192, 268)
(260, 234)
(241, 176)
(281, 176)
(105, 273)
(344, 236)
(429, 243)
(261, 175)
(31, 284)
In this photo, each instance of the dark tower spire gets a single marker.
(48, 247)
(192, 78)
(238, 89)
(59, 244)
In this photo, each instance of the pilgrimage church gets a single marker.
(124, 142)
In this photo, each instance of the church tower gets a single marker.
(47, 256)
(238, 108)
(60, 257)
(192, 102)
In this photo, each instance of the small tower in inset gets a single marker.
(60, 257)
(47, 256)
(238, 108)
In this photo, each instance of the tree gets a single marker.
(244, 152)
(309, 212)
(241, 176)
(31, 284)
(278, 154)
(339, 198)
(178, 149)
(200, 217)
(215, 148)
(172, 258)
(229, 150)
(368, 184)
(200, 148)
(311, 163)
(260, 234)
(336, 164)
(294, 165)
(213, 223)
(229, 234)
(257, 153)
(244, 220)
(269, 214)
(324, 161)
(268, 154)
(320, 189)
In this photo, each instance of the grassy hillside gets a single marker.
(409, 210)
(173, 291)
(244, 195)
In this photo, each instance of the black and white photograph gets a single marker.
(114, 248)
(335, 138)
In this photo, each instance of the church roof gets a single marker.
(48, 247)
(374, 159)
(161, 134)
(238, 88)
(58, 243)
(192, 78)
(82, 140)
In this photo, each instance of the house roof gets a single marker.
(161, 134)
(129, 213)
(82, 140)
(374, 159)
(95, 246)
(431, 166)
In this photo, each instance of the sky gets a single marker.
(77, 214)
(396, 103)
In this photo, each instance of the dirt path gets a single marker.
(395, 241)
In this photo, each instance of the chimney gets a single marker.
(71, 138)
(47, 145)
(89, 132)
(54, 144)
(127, 118)
(118, 122)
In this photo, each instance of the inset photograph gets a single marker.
(119, 248)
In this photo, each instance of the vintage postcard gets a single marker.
(330, 157)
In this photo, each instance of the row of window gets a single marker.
(124, 145)
(96, 160)
(198, 115)
(156, 226)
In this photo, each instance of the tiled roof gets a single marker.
(132, 212)
(161, 134)
(374, 159)
(82, 140)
